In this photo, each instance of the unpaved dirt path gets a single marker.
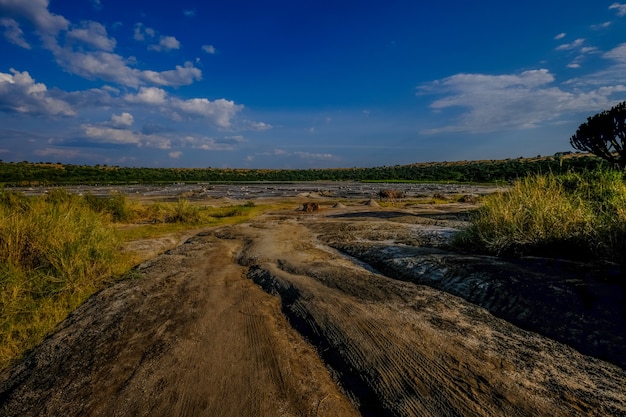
(264, 319)
(191, 336)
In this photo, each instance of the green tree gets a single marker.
(604, 135)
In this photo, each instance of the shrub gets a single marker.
(536, 216)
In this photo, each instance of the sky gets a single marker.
(302, 84)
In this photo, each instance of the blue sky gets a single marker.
(302, 84)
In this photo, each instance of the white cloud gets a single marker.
(13, 33)
(141, 31)
(166, 43)
(207, 144)
(560, 36)
(147, 95)
(621, 8)
(515, 101)
(100, 64)
(175, 154)
(123, 120)
(316, 156)
(36, 11)
(103, 134)
(259, 126)
(573, 65)
(182, 75)
(112, 67)
(219, 111)
(617, 54)
(568, 46)
(209, 49)
(93, 34)
(19, 93)
(601, 25)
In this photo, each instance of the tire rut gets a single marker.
(401, 349)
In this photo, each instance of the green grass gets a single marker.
(54, 253)
(57, 250)
(577, 216)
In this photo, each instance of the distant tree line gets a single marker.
(489, 171)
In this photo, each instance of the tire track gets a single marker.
(406, 350)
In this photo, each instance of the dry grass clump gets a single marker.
(581, 216)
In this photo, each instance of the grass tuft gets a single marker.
(580, 216)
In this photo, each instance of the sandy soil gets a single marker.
(267, 318)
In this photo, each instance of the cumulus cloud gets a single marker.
(110, 135)
(166, 43)
(175, 154)
(181, 75)
(100, 63)
(513, 101)
(112, 67)
(259, 126)
(20, 93)
(219, 111)
(122, 120)
(13, 33)
(560, 36)
(621, 8)
(141, 31)
(209, 49)
(208, 144)
(36, 11)
(92, 34)
(147, 95)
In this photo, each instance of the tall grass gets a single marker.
(577, 215)
(57, 250)
(54, 253)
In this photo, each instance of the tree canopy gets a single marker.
(604, 135)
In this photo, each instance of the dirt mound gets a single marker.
(310, 207)
(339, 206)
(372, 203)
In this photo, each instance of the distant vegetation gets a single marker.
(488, 171)
(57, 250)
(580, 216)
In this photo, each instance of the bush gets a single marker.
(581, 216)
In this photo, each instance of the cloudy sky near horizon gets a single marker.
(312, 83)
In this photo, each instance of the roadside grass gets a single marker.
(59, 249)
(576, 216)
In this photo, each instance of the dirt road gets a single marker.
(265, 319)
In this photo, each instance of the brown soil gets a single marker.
(267, 319)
